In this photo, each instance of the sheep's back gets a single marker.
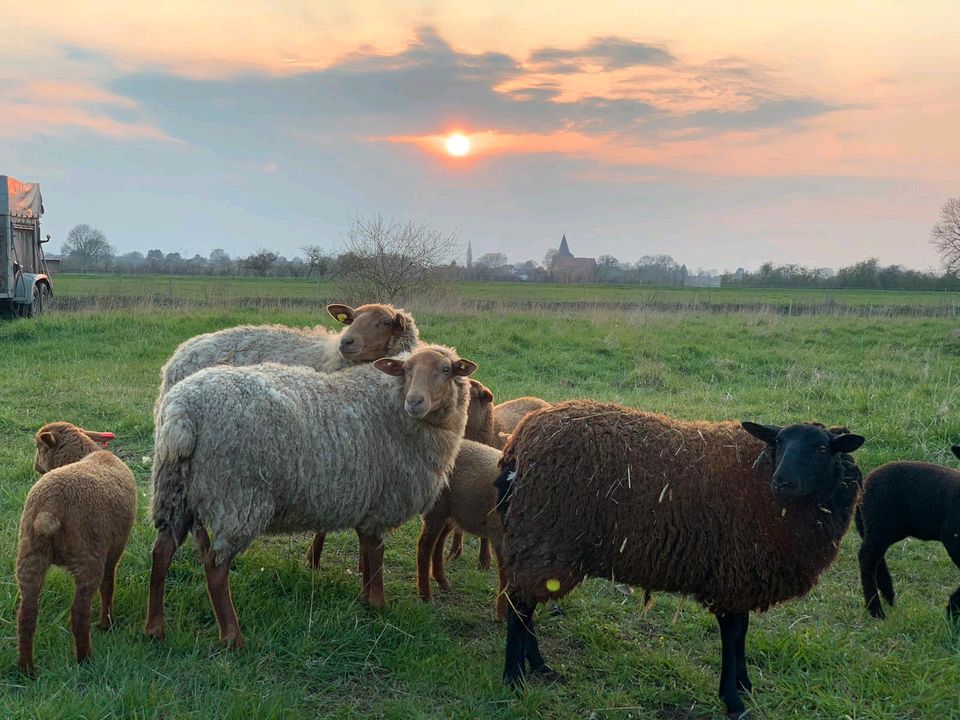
(607, 491)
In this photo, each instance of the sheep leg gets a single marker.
(371, 548)
(201, 538)
(885, 582)
(729, 638)
(501, 603)
(456, 545)
(106, 592)
(80, 615)
(743, 680)
(30, 574)
(427, 543)
(484, 558)
(951, 541)
(870, 558)
(218, 588)
(163, 551)
(515, 656)
(436, 565)
(316, 549)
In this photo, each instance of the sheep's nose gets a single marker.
(414, 401)
(346, 344)
(780, 483)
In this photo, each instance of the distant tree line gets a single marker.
(864, 275)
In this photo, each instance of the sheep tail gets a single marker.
(176, 438)
(45, 524)
(504, 484)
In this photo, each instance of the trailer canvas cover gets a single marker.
(20, 199)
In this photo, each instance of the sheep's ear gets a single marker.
(343, 314)
(390, 366)
(486, 394)
(846, 443)
(767, 433)
(48, 439)
(399, 323)
(956, 450)
(98, 437)
(464, 368)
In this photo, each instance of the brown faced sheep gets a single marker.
(275, 449)
(469, 501)
(741, 518)
(78, 515)
(372, 331)
(480, 429)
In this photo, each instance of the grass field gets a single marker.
(315, 650)
(80, 289)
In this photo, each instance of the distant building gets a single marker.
(54, 265)
(567, 268)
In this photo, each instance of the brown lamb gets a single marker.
(78, 515)
(480, 428)
(470, 502)
(507, 415)
(741, 517)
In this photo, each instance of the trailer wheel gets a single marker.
(36, 304)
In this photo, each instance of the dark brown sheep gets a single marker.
(78, 515)
(739, 517)
(906, 499)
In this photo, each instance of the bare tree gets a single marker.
(317, 259)
(260, 262)
(945, 236)
(87, 246)
(385, 261)
(493, 261)
(548, 258)
(607, 261)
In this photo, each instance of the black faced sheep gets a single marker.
(272, 448)
(739, 517)
(78, 515)
(906, 499)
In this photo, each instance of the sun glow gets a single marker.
(458, 145)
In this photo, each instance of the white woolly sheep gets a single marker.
(372, 332)
(271, 448)
(78, 515)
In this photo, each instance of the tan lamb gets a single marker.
(78, 515)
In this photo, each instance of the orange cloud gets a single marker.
(55, 107)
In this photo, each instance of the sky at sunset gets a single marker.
(724, 134)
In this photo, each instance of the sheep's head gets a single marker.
(373, 330)
(61, 443)
(480, 414)
(427, 375)
(805, 457)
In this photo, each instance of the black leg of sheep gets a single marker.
(522, 645)
(950, 537)
(733, 668)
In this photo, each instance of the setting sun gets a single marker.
(458, 145)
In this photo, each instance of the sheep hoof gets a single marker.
(28, 669)
(547, 675)
(739, 715)
(233, 642)
(556, 610)
(876, 611)
(154, 631)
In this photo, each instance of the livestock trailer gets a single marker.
(24, 280)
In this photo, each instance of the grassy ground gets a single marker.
(315, 650)
(77, 288)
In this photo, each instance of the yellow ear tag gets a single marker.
(553, 585)
(341, 317)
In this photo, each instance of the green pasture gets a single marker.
(315, 650)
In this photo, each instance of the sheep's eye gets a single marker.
(823, 448)
(446, 370)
